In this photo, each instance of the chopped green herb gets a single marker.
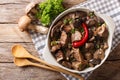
(91, 14)
(48, 10)
(97, 46)
(72, 30)
(65, 21)
(53, 43)
(70, 20)
(99, 24)
(81, 30)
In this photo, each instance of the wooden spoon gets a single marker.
(21, 62)
(20, 52)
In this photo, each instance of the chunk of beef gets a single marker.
(88, 56)
(77, 55)
(76, 36)
(89, 45)
(63, 38)
(99, 54)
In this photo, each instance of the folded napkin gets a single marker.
(108, 7)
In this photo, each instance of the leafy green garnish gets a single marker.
(72, 31)
(66, 21)
(48, 10)
(53, 43)
(91, 14)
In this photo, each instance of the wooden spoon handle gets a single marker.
(42, 66)
(52, 69)
(56, 68)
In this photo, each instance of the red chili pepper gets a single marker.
(84, 39)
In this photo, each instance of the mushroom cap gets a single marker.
(29, 7)
(23, 22)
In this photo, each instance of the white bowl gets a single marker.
(47, 55)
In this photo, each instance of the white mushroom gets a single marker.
(38, 28)
(29, 7)
(23, 23)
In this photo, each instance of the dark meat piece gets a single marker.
(76, 36)
(91, 22)
(80, 14)
(67, 64)
(99, 54)
(59, 56)
(55, 47)
(95, 62)
(66, 28)
(68, 54)
(76, 65)
(63, 38)
(90, 33)
(79, 65)
(99, 20)
(55, 31)
(89, 45)
(88, 56)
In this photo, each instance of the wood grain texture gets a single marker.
(5, 51)
(9, 71)
(11, 33)
(110, 70)
(10, 12)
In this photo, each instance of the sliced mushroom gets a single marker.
(63, 38)
(59, 56)
(76, 36)
(102, 31)
(99, 54)
(23, 23)
(55, 28)
(92, 38)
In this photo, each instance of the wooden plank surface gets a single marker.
(9, 71)
(10, 12)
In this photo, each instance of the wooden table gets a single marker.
(10, 12)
